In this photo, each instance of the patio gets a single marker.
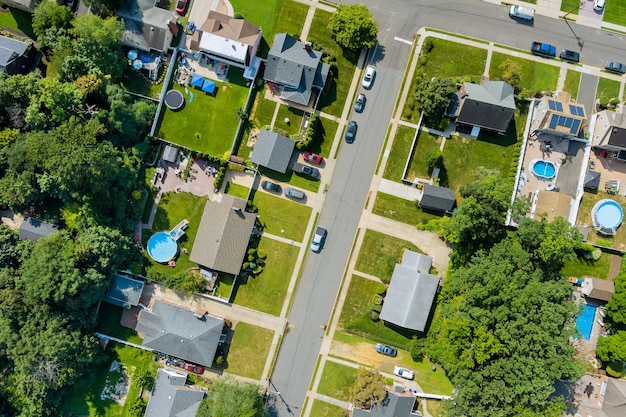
(610, 169)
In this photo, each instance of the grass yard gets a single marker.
(336, 91)
(109, 317)
(535, 76)
(570, 6)
(18, 19)
(263, 110)
(133, 81)
(328, 132)
(324, 409)
(614, 12)
(267, 291)
(378, 251)
(295, 120)
(207, 124)
(448, 59)
(291, 178)
(607, 88)
(249, 349)
(400, 149)
(336, 381)
(572, 81)
(402, 210)
(173, 208)
(418, 167)
(237, 190)
(584, 218)
(579, 267)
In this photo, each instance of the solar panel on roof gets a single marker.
(562, 120)
(552, 105)
(568, 122)
(575, 126)
(573, 110)
(554, 121)
(581, 111)
(559, 106)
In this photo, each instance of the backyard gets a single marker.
(580, 267)
(379, 254)
(402, 210)
(417, 166)
(206, 123)
(584, 218)
(18, 19)
(535, 76)
(248, 359)
(400, 149)
(109, 317)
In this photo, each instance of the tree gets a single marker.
(229, 397)
(511, 72)
(368, 389)
(49, 14)
(100, 40)
(616, 307)
(53, 103)
(434, 159)
(612, 351)
(12, 250)
(433, 96)
(352, 27)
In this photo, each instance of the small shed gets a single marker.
(170, 153)
(592, 181)
(125, 291)
(437, 198)
(598, 289)
(34, 229)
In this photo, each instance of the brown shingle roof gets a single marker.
(231, 28)
(600, 289)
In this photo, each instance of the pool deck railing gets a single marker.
(179, 230)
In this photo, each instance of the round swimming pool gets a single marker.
(162, 247)
(544, 169)
(608, 214)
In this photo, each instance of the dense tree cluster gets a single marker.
(612, 349)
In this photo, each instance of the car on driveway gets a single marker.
(570, 56)
(368, 78)
(318, 239)
(293, 193)
(313, 157)
(196, 369)
(598, 5)
(615, 67)
(403, 372)
(270, 186)
(386, 350)
(359, 105)
(181, 6)
(351, 131)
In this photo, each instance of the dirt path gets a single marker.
(362, 353)
(616, 265)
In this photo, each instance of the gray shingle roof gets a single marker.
(223, 235)
(614, 404)
(34, 229)
(273, 151)
(125, 291)
(145, 26)
(490, 106)
(171, 398)
(394, 405)
(10, 50)
(411, 292)
(177, 332)
(437, 198)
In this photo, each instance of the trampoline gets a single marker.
(162, 247)
(174, 100)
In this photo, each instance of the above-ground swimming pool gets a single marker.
(544, 169)
(608, 214)
(162, 247)
(584, 321)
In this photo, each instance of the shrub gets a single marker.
(252, 252)
(239, 15)
(374, 315)
(615, 369)
(381, 289)
(313, 134)
(257, 270)
(377, 309)
(428, 45)
(377, 300)
(261, 254)
(434, 159)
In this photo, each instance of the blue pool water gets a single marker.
(609, 214)
(162, 247)
(584, 322)
(544, 169)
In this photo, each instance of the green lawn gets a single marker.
(572, 81)
(18, 19)
(133, 81)
(249, 349)
(584, 217)
(336, 381)
(607, 88)
(402, 210)
(266, 292)
(570, 6)
(263, 111)
(295, 120)
(614, 12)
(378, 251)
(237, 190)
(579, 267)
(535, 76)
(173, 208)
(207, 124)
(400, 149)
(323, 409)
(418, 167)
(328, 132)
(336, 91)
(451, 59)
(291, 178)
(109, 317)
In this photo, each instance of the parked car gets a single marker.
(181, 6)
(293, 193)
(615, 67)
(270, 186)
(598, 5)
(522, 12)
(306, 170)
(368, 78)
(403, 372)
(386, 350)
(313, 157)
(318, 239)
(571, 56)
(196, 369)
(359, 105)
(351, 131)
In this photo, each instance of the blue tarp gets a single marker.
(208, 86)
(197, 80)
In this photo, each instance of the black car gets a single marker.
(615, 67)
(351, 132)
(571, 56)
(270, 186)
(359, 105)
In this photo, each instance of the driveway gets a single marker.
(587, 92)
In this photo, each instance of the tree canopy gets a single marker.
(433, 96)
(352, 27)
(369, 388)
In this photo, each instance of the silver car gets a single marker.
(368, 78)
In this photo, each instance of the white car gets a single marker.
(368, 78)
(598, 5)
(403, 372)
(318, 239)
(521, 12)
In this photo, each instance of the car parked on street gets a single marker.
(359, 105)
(386, 350)
(270, 186)
(521, 12)
(368, 78)
(403, 372)
(293, 193)
(351, 131)
(570, 56)
(615, 67)
(196, 369)
(313, 157)
(318, 239)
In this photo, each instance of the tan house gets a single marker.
(609, 133)
(561, 116)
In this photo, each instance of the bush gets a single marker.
(239, 16)
(313, 134)
(219, 360)
(377, 309)
(374, 315)
(615, 369)
(261, 254)
(381, 290)
(434, 159)
(428, 45)
(257, 270)
(377, 300)
(252, 252)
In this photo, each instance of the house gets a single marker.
(397, 403)
(490, 106)
(294, 71)
(146, 26)
(26, 5)
(172, 397)
(598, 289)
(226, 39)
(561, 116)
(34, 229)
(16, 57)
(411, 292)
(223, 235)
(177, 332)
(437, 198)
(273, 151)
(609, 132)
(125, 291)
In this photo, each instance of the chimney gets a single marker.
(308, 46)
